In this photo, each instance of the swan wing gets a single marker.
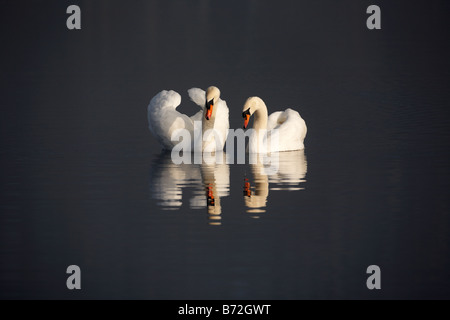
(164, 119)
(272, 121)
(198, 96)
(291, 129)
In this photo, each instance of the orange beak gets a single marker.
(246, 120)
(209, 112)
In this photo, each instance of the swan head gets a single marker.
(251, 105)
(212, 97)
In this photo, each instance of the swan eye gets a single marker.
(208, 104)
(245, 113)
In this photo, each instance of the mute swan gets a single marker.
(164, 120)
(287, 127)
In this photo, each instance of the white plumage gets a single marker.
(281, 131)
(165, 121)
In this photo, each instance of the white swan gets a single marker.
(164, 120)
(287, 127)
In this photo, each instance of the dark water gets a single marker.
(83, 181)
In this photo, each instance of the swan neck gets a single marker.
(260, 116)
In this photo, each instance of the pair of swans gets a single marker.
(165, 122)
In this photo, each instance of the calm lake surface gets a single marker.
(84, 182)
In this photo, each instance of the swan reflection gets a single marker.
(289, 175)
(208, 182)
(204, 185)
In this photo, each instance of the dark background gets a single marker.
(77, 157)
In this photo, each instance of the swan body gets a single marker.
(164, 120)
(281, 131)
